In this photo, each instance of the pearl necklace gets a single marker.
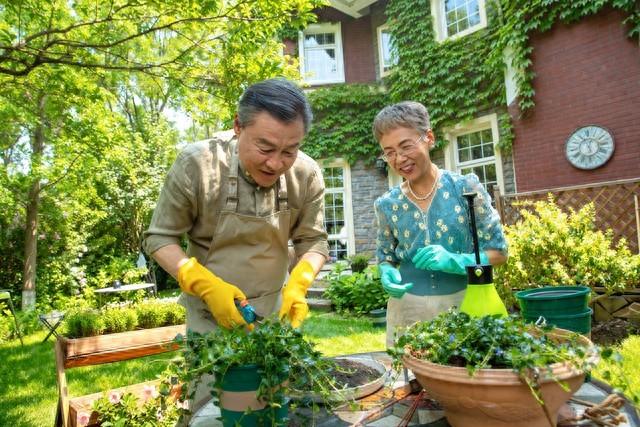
(435, 183)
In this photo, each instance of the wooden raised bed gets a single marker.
(74, 352)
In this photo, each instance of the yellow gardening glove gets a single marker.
(294, 304)
(219, 295)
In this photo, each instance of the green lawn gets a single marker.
(28, 392)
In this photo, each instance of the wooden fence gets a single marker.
(617, 205)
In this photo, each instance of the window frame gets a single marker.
(479, 124)
(321, 28)
(346, 197)
(440, 24)
(379, 30)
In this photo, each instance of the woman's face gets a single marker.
(407, 151)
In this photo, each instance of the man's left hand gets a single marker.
(294, 303)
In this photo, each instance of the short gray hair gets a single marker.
(280, 98)
(407, 114)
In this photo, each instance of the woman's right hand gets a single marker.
(392, 281)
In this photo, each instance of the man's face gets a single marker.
(268, 147)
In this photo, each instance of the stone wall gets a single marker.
(367, 184)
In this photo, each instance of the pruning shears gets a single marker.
(248, 312)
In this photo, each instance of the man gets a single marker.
(240, 200)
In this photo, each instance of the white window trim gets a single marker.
(440, 25)
(380, 29)
(326, 27)
(481, 123)
(348, 206)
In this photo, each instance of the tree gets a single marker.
(69, 71)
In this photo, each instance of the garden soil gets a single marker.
(614, 331)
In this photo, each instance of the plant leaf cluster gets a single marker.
(87, 322)
(456, 339)
(550, 246)
(282, 356)
(356, 293)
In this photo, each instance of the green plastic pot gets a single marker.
(239, 405)
(580, 322)
(379, 317)
(554, 300)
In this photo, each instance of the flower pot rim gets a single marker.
(562, 370)
(533, 294)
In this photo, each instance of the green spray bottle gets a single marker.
(481, 297)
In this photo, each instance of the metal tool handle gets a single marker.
(474, 228)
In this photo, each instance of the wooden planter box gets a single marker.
(74, 352)
(120, 346)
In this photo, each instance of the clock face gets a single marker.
(589, 147)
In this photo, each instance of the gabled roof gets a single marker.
(354, 8)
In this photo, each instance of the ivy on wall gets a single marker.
(343, 116)
(453, 78)
(522, 17)
(457, 79)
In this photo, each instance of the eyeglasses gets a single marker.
(407, 148)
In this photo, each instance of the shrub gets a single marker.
(550, 247)
(119, 320)
(359, 262)
(356, 293)
(87, 322)
(83, 323)
(27, 320)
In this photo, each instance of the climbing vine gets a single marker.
(342, 124)
(523, 17)
(453, 78)
(457, 79)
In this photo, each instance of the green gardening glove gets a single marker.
(391, 281)
(437, 258)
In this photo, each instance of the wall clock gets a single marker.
(589, 147)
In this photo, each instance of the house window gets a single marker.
(472, 149)
(457, 18)
(321, 54)
(475, 154)
(387, 54)
(338, 220)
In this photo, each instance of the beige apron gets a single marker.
(249, 252)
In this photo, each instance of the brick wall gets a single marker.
(586, 73)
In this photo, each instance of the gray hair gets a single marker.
(280, 98)
(407, 114)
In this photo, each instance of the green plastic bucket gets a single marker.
(239, 392)
(379, 317)
(554, 300)
(580, 322)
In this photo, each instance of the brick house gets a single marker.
(587, 73)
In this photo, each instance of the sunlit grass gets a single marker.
(335, 335)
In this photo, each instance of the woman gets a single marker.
(424, 240)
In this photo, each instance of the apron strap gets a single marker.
(283, 198)
(232, 191)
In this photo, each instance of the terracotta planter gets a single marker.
(495, 397)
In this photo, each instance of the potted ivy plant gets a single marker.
(495, 371)
(252, 371)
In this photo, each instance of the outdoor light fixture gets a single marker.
(381, 165)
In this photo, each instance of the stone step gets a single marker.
(315, 292)
(319, 304)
